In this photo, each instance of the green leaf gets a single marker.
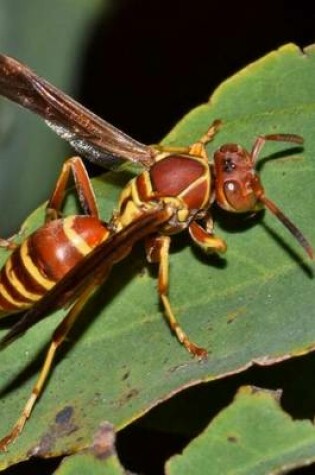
(100, 460)
(87, 464)
(252, 435)
(255, 305)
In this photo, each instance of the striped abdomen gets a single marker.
(45, 257)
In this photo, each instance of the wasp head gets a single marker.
(237, 186)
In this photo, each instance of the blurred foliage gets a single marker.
(49, 37)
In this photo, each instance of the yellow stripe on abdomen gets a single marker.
(33, 269)
(74, 238)
(18, 285)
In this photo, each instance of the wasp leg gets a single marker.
(205, 238)
(83, 185)
(157, 248)
(197, 149)
(58, 337)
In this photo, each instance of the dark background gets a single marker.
(150, 62)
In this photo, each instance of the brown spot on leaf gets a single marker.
(45, 446)
(232, 438)
(125, 375)
(64, 416)
(62, 427)
(127, 396)
(103, 445)
(130, 394)
(232, 316)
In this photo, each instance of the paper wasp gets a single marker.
(65, 260)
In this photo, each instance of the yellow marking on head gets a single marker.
(18, 285)
(76, 240)
(33, 269)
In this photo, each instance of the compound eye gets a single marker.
(239, 198)
(232, 191)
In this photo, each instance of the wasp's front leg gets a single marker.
(205, 238)
(157, 249)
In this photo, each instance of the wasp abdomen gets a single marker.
(45, 257)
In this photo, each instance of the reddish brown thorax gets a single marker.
(236, 184)
(180, 175)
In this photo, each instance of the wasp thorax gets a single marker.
(234, 178)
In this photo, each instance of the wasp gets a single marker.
(64, 261)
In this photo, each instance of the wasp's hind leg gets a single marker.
(76, 167)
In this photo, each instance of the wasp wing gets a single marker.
(89, 135)
(91, 271)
